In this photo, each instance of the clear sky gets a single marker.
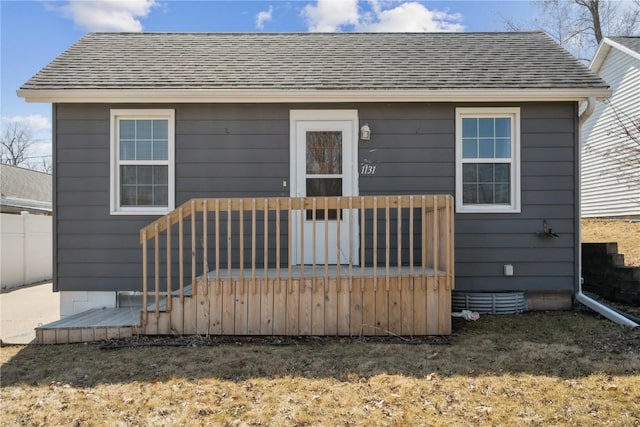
(34, 32)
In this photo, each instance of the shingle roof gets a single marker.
(24, 189)
(314, 61)
(630, 42)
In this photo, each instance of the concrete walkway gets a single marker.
(23, 309)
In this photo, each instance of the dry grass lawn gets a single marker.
(571, 368)
(625, 233)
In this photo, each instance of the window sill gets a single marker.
(148, 212)
(487, 209)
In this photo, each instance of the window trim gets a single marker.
(114, 171)
(490, 112)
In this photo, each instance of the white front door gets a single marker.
(324, 163)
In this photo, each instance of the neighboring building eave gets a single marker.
(17, 204)
(603, 50)
(288, 95)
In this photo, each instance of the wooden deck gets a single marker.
(394, 275)
(340, 266)
(92, 325)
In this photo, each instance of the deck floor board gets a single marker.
(99, 318)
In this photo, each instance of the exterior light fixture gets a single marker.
(365, 132)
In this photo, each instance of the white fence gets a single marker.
(26, 249)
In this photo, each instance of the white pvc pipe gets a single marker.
(580, 297)
(604, 310)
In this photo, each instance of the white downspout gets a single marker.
(580, 297)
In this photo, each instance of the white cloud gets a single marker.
(263, 16)
(383, 16)
(331, 15)
(108, 15)
(36, 122)
(411, 17)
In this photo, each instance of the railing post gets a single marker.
(411, 245)
(144, 278)
(338, 249)
(253, 246)
(375, 243)
(194, 286)
(387, 241)
(301, 225)
(435, 236)
(241, 220)
(168, 263)
(362, 242)
(265, 249)
(217, 231)
(156, 249)
(326, 244)
(181, 251)
(315, 242)
(450, 239)
(290, 243)
(229, 247)
(423, 210)
(399, 237)
(351, 232)
(278, 243)
(205, 247)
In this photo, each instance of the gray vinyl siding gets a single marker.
(243, 150)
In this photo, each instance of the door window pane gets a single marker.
(324, 153)
(318, 187)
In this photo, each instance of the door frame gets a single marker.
(350, 172)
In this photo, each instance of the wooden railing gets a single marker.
(249, 239)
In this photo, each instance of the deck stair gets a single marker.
(97, 324)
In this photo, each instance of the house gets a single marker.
(24, 190)
(611, 137)
(25, 226)
(323, 174)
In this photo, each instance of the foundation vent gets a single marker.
(489, 302)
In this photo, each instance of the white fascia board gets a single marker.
(285, 96)
(600, 55)
(603, 50)
(624, 49)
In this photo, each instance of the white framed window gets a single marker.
(488, 160)
(142, 162)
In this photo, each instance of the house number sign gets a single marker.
(367, 169)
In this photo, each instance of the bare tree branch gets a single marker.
(580, 25)
(15, 143)
(17, 146)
